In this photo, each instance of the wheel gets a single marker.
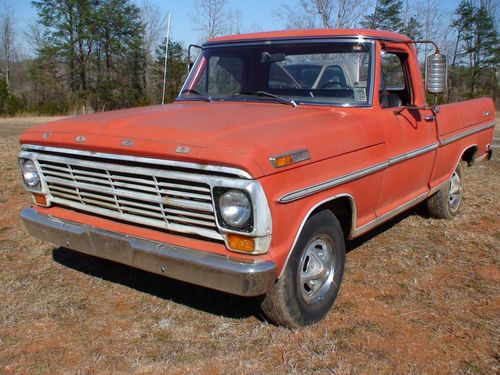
(311, 279)
(446, 203)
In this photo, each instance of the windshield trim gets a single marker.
(312, 39)
(267, 42)
(264, 100)
(365, 40)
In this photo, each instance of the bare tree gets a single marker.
(235, 22)
(307, 14)
(155, 25)
(7, 40)
(155, 30)
(433, 26)
(323, 9)
(34, 37)
(350, 12)
(212, 18)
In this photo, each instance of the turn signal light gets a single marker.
(40, 199)
(283, 161)
(288, 158)
(240, 243)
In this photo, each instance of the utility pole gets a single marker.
(166, 58)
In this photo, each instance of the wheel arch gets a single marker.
(343, 206)
(469, 155)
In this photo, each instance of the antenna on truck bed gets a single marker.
(166, 58)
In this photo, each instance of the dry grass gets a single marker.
(419, 296)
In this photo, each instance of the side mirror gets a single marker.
(190, 63)
(436, 73)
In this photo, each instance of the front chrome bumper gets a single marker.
(231, 275)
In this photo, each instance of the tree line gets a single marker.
(94, 55)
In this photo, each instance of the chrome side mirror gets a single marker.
(436, 73)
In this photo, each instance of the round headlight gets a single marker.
(235, 208)
(30, 174)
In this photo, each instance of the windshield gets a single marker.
(334, 73)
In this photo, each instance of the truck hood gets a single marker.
(236, 134)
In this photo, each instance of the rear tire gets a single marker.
(311, 279)
(446, 203)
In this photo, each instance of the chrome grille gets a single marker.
(166, 198)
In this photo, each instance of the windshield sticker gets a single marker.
(359, 94)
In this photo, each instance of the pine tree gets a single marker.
(412, 29)
(386, 16)
(477, 54)
(176, 70)
(97, 47)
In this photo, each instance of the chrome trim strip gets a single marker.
(298, 194)
(287, 40)
(371, 78)
(413, 154)
(169, 163)
(311, 210)
(228, 274)
(379, 220)
(466, 133)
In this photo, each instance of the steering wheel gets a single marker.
(336, 85)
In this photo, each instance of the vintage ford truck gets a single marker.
(280, 147)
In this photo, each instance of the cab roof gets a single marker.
(310, 33)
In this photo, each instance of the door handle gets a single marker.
(430, 118)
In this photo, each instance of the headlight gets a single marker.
(235, 208)
(30, 174)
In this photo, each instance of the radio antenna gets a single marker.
(166, 59)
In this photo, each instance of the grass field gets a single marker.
(419, 296)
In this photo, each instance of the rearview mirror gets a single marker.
(436, 73)
(267, 57)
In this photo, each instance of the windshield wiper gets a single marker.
(194, 91)
(268, 94)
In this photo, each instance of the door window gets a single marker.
(394, 90)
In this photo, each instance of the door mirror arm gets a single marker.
(434, 108)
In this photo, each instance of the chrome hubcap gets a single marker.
(455, 192)
(317, 268)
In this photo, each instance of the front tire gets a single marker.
(446, 203)
(311, 279)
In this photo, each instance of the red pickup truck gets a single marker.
(280, 147)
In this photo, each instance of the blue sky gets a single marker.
(256, 14)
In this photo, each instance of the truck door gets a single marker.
(410, 135)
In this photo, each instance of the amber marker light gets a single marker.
(282, 160)
(40, 199)
(240, 243)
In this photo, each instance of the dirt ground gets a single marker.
(419, 296)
